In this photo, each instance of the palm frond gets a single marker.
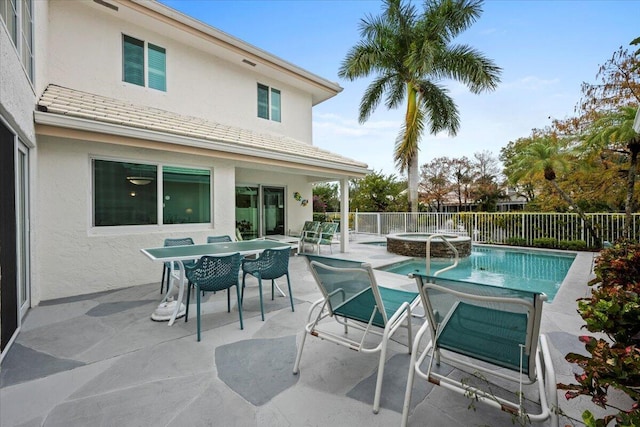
(439, 107)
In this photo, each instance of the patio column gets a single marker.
(344, 215)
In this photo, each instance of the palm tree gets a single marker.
(546, 155)
(410, 54)
(615, 132)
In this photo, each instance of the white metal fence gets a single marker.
(498, 227)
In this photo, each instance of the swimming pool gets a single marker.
(539, 271)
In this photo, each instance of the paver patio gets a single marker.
(99, 360)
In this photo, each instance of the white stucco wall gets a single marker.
(85, 53)
(17, 96)
(76, 258)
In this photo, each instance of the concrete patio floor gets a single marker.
(99, 360)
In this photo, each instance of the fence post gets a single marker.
(378, 226)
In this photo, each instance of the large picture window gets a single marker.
(128, 194)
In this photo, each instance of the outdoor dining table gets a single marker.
(179, 254)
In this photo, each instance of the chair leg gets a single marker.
(296, 366)
(290, 293)
(228, 301)
(242, 292)
(164, 270)
(260, 290)
(186, 311)
(273, 286)
(409, 390)
(239, 304)
(198, 310)
(383, 356)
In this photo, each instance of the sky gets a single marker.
(546, 49)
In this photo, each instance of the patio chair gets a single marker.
(478, 328)
(211, 274)
(352, 297)
(270, 265)
(308, 226)
(167, 267)
(219, 239)
(323, 236)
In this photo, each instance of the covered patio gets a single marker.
(98, 359)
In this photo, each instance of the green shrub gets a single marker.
(516, 241)
(572, 245)
(613, 309)
(545, 242)
(322, 217)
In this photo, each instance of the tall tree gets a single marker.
(462, 176)
(614, 131)
(377, 193)
(435, 181)
(326, 198)
(410, 53)
(547, 155)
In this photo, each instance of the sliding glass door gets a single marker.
(273, 208)
(22, 207)
(260, 210)
(247, 211)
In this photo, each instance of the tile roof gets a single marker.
(83, 105)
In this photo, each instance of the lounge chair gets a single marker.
(477, 328)
(353, 298)
(322, 237)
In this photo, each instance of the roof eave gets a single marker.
(75, 123)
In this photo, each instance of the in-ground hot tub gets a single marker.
(415, 245)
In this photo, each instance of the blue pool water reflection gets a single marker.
(519, 269)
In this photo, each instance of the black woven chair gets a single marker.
(167, 265)
(270, 265)
(219, 239)
(211, 274)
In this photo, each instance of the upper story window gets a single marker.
(17, 15)
(134, 194)
(135, 62)
(268, 103)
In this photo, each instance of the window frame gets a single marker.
(21, 32)
(271, 108)
(159, 190)
(150, 73)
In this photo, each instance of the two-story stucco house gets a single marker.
(125, 122)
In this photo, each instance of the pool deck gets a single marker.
(99, 360)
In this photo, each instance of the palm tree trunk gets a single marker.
(629, 205)
(412, 181)
(587, 222)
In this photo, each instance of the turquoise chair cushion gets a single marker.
(486, 334)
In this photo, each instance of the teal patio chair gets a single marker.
(352, 297)
(219, 239)
(167, 267)
(468, 323)
(322, 237)
(270, 265)
(212, 274)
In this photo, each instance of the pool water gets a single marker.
(527, 270)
